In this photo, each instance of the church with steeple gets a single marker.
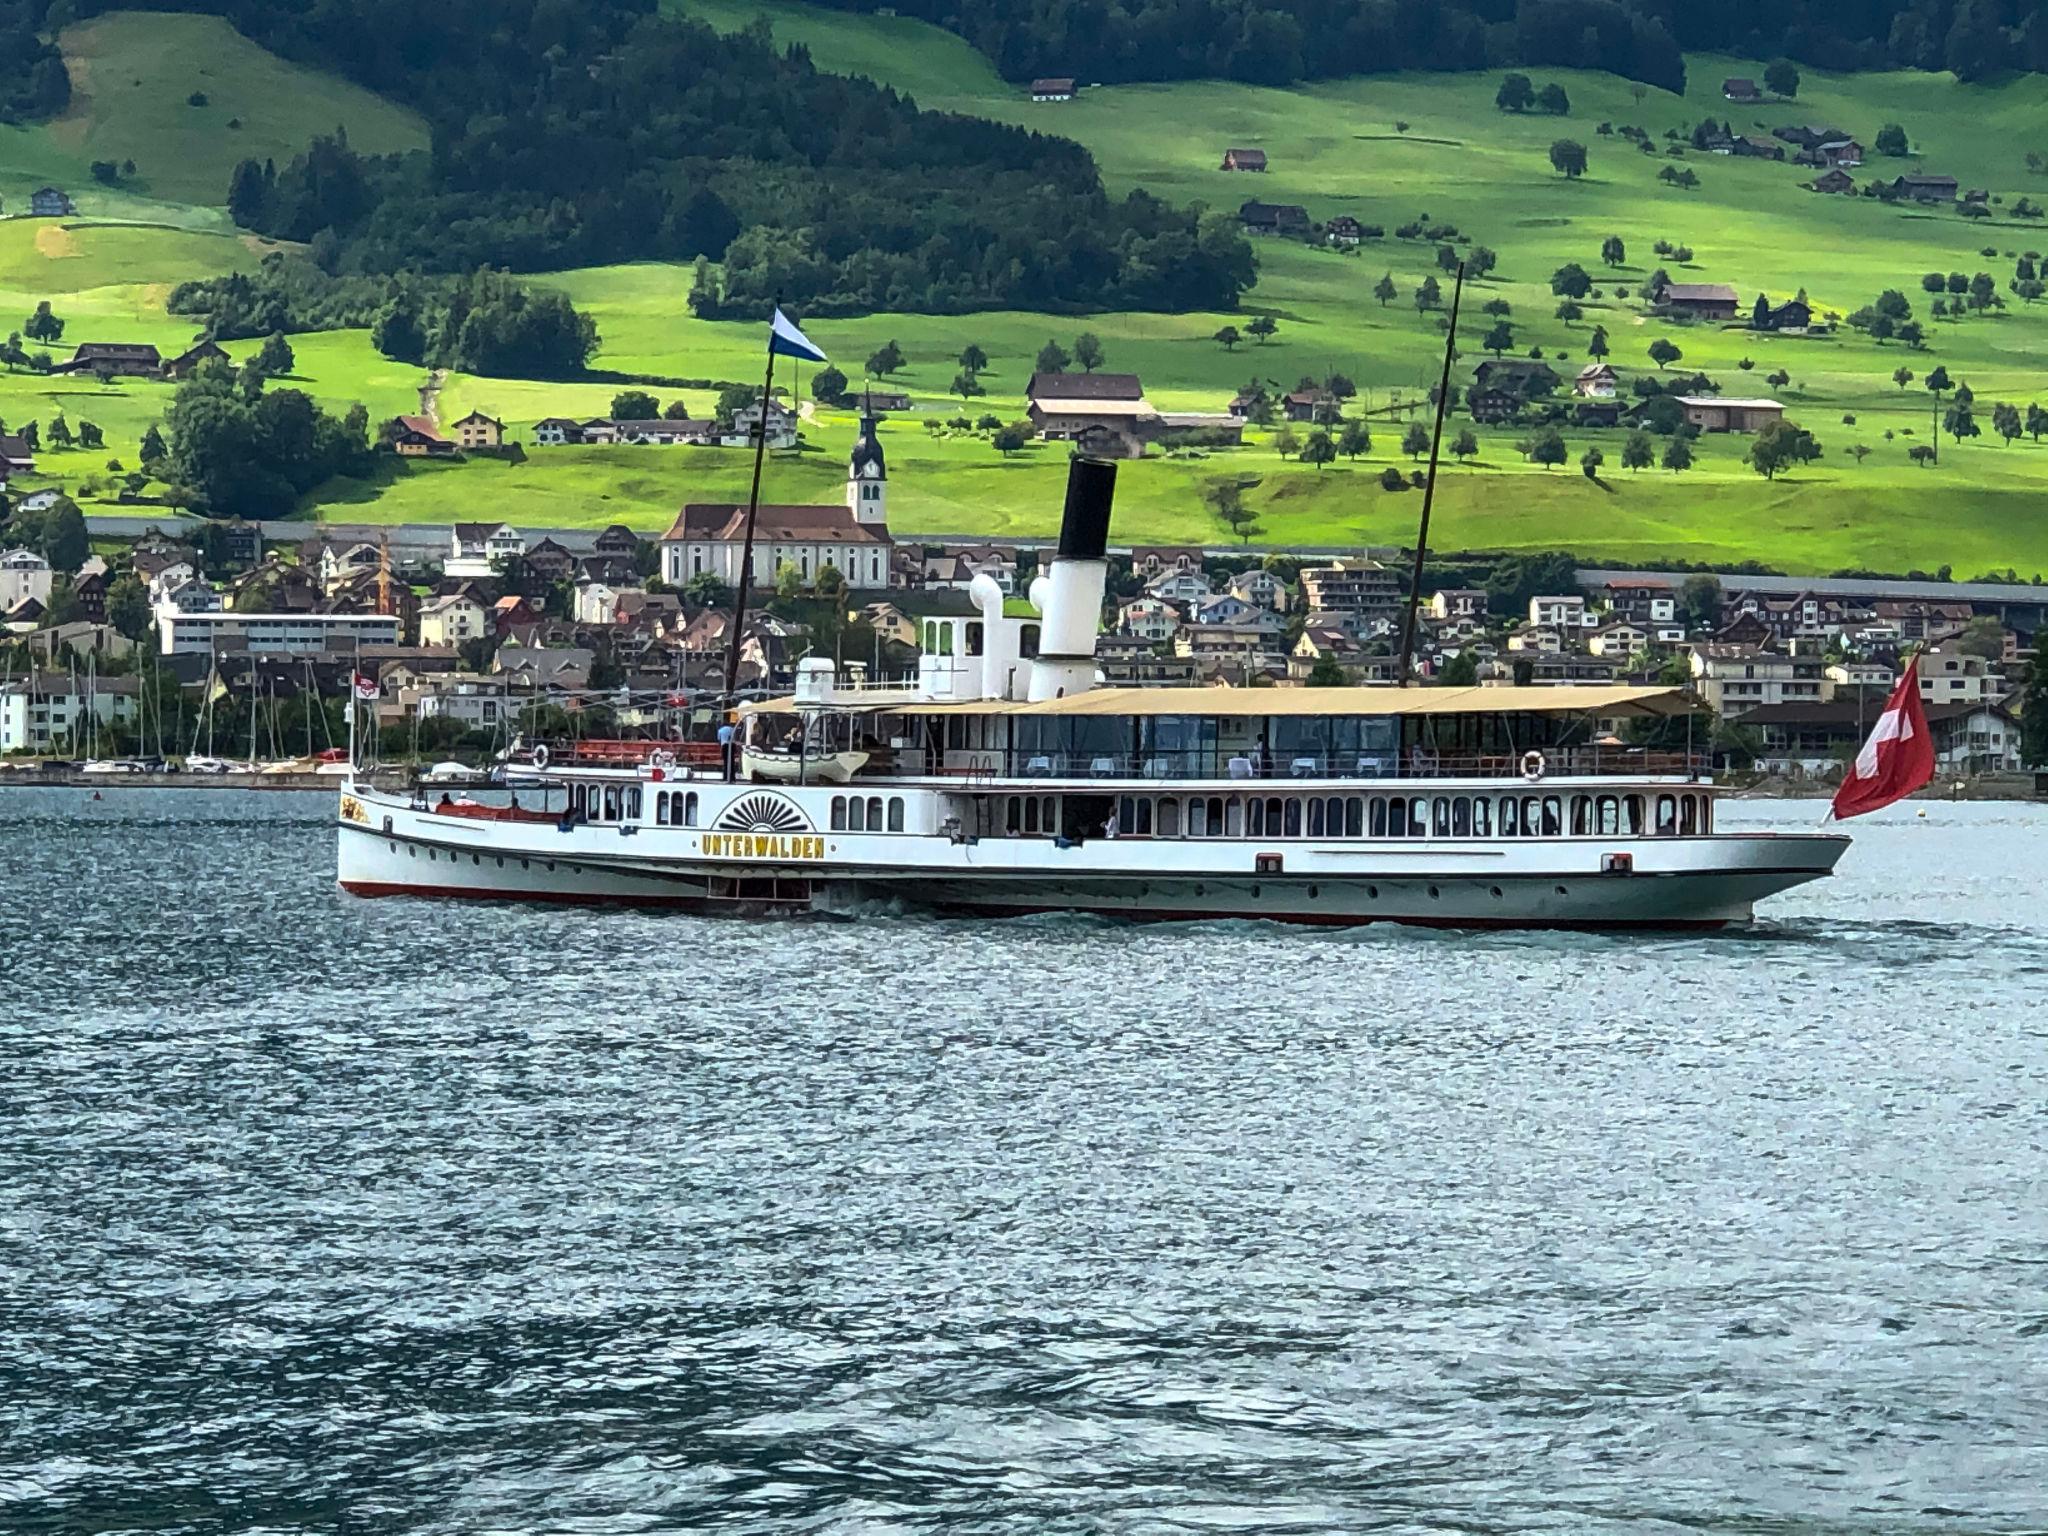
(710, 537)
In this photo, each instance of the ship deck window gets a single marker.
(1553, 816)
(1581, 815)
(690, 809)
(1688, 815)
(1667, 815)
(1510, 817)
(895, 813)
(838, 822)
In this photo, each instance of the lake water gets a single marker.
(325, 1214)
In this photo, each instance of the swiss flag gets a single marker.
(1898, 758)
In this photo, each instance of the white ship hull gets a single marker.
(393, 846)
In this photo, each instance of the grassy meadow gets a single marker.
(1385, 149)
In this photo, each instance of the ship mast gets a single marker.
(1443, 400)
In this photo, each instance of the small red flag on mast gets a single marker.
(1897, 759)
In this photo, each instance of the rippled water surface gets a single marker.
(325, 1214)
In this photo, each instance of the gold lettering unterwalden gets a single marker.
(762, 845)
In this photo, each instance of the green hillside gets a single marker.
(133, 77)
(1385, 149)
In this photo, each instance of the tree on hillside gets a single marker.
(1516, 94)
(2037, 423)
(1568, 158)
(1482, 261)
(885, 360)
(972, 358)
(1430, 295)
(1590, 462)
(1613, 252)
(1553, 100)
(43, 325)
(1780, 445)
(635, 405)
(1501, 339)
(1960, 422)
(1699, 601)
(1678, 452)
(1638, 452)
(1011, 439)
(1891, 140)
(1781, 78)
(1226, 501)
(152, 445)
(1910, 333)
(1500, 309)
(1386, 290)
(1088, 351)
(1902, 376)
(1415, 441)
(1664, 353)
(1938, 381)
(1548, 449)
(966, 385)
(1569, 310)
(128, 605)
(65, 543)
(1447, 258)
(1261, 328)
(1354, 439)
(828, 385)
(2005, 421)
(1465, 445)
(276, 358)
(1228, 337)
(1596, 344)
(1318, 450)
(1571, 281)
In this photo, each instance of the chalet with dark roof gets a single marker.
(1925, 189)
(1344, 230)
(1523, 377)
(1244, 160)
(1053, 88)
(1703, 301)
(1740, 88)
(191, 360)
(120, 359)
(1750, 146)
(50, 203)
(1273, 218)
(1835, 181)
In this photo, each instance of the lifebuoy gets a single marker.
(540, 756)
(1533, 766)
(663, 760)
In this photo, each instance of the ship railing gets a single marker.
(1415, 763)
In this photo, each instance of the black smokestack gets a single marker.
(1084, 528)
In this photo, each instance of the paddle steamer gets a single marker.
(1002, 779)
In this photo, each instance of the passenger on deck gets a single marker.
(447, 801)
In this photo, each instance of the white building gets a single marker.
(1737, 678)
(451, 619)
(472, 703)
(746, 426)
(24, 574)
(45, 708)
(479, 550)
(1149, 618)
(853, 539)
(596, 603)
(1559, 612)
(1179, 587)
(278, 634)
(1951, 676)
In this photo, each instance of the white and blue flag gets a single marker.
(785, 340)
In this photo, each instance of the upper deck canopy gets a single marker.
(1297, 703)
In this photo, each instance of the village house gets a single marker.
(548, 562)
(882, 402)
(1710, 414)
(476, 430)
(193, 358)
(1809, 135)
(1733, 679)
(1645, 600)
(116, 359)
(1053, 88)
(1620, 639)
(1273, 218)
(1597, 413)
(1362, 587)
(1740, 88)
(1802, 740)
(50, 203)
(1749, 146)
(853, 539)
(1525, 378)
(1834, 153)
(1837, 181)
(415, 437)
(1564, 613)
(479, 550)
(42, 710)
(1181, 588)
(1794, 314)
(1702, 301)
(1952, 676)
(1237, 651)
(341, 564)
(1344, 230)
(1126, 661)
(453, 619)
(23, 574)
(746, 426)
(1228, 608)
(1925, 189)
(1916, 620)
(556, 431)
(1310, 405)
(1261, 588)
(1150, 560)
(682, 432)
(276, 634)
(1851, 676)
(1458, 603)
(1244, 160)
(1597, 381)
(1149, 618)
(1104, 412)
